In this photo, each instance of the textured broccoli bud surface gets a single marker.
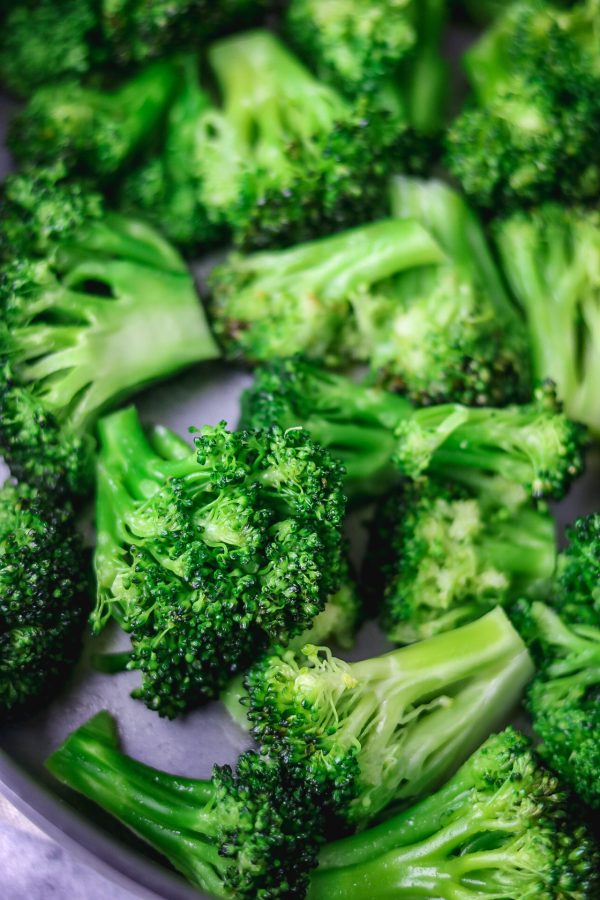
(578, 594)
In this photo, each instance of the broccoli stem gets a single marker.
(124, 238)
(524, 547)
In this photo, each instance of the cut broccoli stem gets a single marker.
(424, 76)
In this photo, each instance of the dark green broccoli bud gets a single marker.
(206, 556)
(287, 158)
(249, 834)
(564, 698)
(501, 827)
(96, 131)
(578, 594)
(46, 40)
(442, 554)
(379, 436)
(551, 257)
(43, 602)
(534, 130)
(166, 188)
(389, 729)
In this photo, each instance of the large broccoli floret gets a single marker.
(43, 604)
(105, 308)
(534, 131)
(442, 554)
(551, 257)
(96, 131)
(249, 834)
(501, 827)
(207, 555)
(388, 729)
(379, 436)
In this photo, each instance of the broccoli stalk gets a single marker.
(389, 729)
(501, 827)
(93, 130)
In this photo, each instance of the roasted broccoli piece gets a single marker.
(94, 131)
(43, 596)
(501, 827)
(249, 834)
(379, 436)
(533, 132)
(207, 555)
(392, 728)
(551, 257)
(442, 554)
(96, 307)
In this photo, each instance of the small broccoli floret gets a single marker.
(95, 131)
(564, 696)
(551, 258)
(388, 729)
(249, 834)
(107, 308)
(501, 827)
(578, 594)
(205, 556)
(43, 587)
(445, 554)
(534, 130)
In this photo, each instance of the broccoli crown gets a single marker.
(206, 555)
(46, 40)
(563, 698)
(551, 257)
(578, 594)
(537, 125)
(252, 833)
(286, 158)
(43, 585)
(445, 554)
(93, 130)
(387, 729)
(501, 827)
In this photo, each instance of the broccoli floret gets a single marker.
(207, 555)
(534, 130)
(166, 188)
(501, 827)
(564, 698)
(286, 158)
(107, 307)
(444, 554)
(379, 436)
(249, 834)
(578, 594)
(388, 729)
(551, 257)
(43, 603)
(96, 131)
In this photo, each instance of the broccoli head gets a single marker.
(43, 596)
(387, 729)
(501, 827)
(206, 555)
(578, 594)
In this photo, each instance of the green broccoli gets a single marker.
(502, 827)
(533, 132)
(248, 834)
(392, 728)
(379, 436)
(43, 597)
(443, 553)
(94, 306)
(96, 131)
(578, 596)
(551, 257)
(205, 556)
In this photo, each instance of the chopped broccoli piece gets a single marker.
(248, 834)
(106, 308)
(96, 131)
(43, 588)
(207, 555)
(501, 827)
(388, 729)
(578, 595)
(444, 554)
(551, 257)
